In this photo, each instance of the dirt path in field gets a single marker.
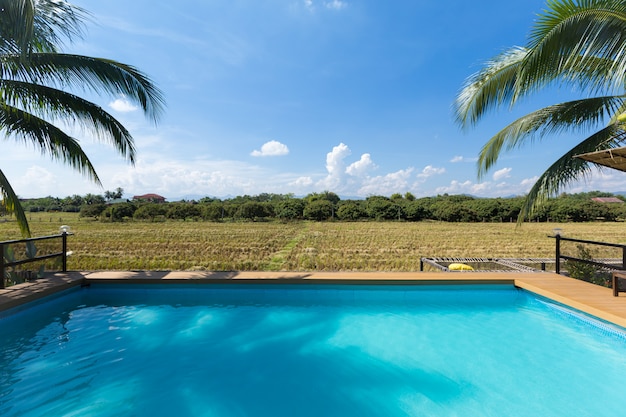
(279, 259)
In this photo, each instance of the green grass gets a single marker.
(301, 246)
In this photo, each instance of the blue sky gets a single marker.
(300, 96)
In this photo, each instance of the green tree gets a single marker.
(92, 210)
(574, 43)
(319, 210)
(382, 208)
(253, 210)
(36, 84)
(183, 211)
(351, 210)
(417, 210)
(213, 210)
(290, 209)
(119, 212)
(324, 195)
(150, 211)
(93, 199)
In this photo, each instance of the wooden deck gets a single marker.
(589, 298)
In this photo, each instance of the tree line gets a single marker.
(327, 206)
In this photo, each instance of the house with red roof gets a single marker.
(606, 200)
(152, 198)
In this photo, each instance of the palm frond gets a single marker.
(99, 75)
(40, 26)
(53, 104)
(576, 115)
(568, 169)
(17, 19)
(55, 23)
(581, 42)
(489, 88)
(50, 139)
(11, 203)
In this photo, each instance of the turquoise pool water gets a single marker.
(306, 350)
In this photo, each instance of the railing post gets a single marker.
(623, 257)
(1, 266)
(64, 245)
(558, 253)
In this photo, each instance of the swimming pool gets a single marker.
(305, 350)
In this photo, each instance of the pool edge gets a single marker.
(583, 296)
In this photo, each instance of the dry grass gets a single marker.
(302, 246)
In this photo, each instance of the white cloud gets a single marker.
(302, 182)
(455, 187)
(502, 173)
(361, 167)
(335, 167)
(487, 188)
(354, 179)
(328, 4)
(271, 148)
(386, 184)
(38, 180)
(603, 179)
(430, 170)
(529, 182)
(122, 105)
(336, 4)
(459, 158)
(173, 179)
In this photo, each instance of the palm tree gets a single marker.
(574, 43)
(36, 84)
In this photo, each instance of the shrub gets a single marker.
(150, 211)
(91, 210)
(318, 210)
(351, 211)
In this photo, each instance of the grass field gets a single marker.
(301, 246)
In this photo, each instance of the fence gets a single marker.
(31, 256)
(559, 256)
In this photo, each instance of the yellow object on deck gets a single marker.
(460, 267)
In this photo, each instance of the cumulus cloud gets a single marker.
(386, 184)
(361, 167)
(529, 182)
(467, 187)
(335, 166)
(271, 148)
(487, 188)
(430, 170)
(38, 180)
(355, 180)
(502, 173)
(122, 105)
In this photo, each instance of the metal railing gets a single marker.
(559, 256)
(5, 263)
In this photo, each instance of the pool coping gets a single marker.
(586, 297)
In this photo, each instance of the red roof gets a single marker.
(149, 197)
(607, 200)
